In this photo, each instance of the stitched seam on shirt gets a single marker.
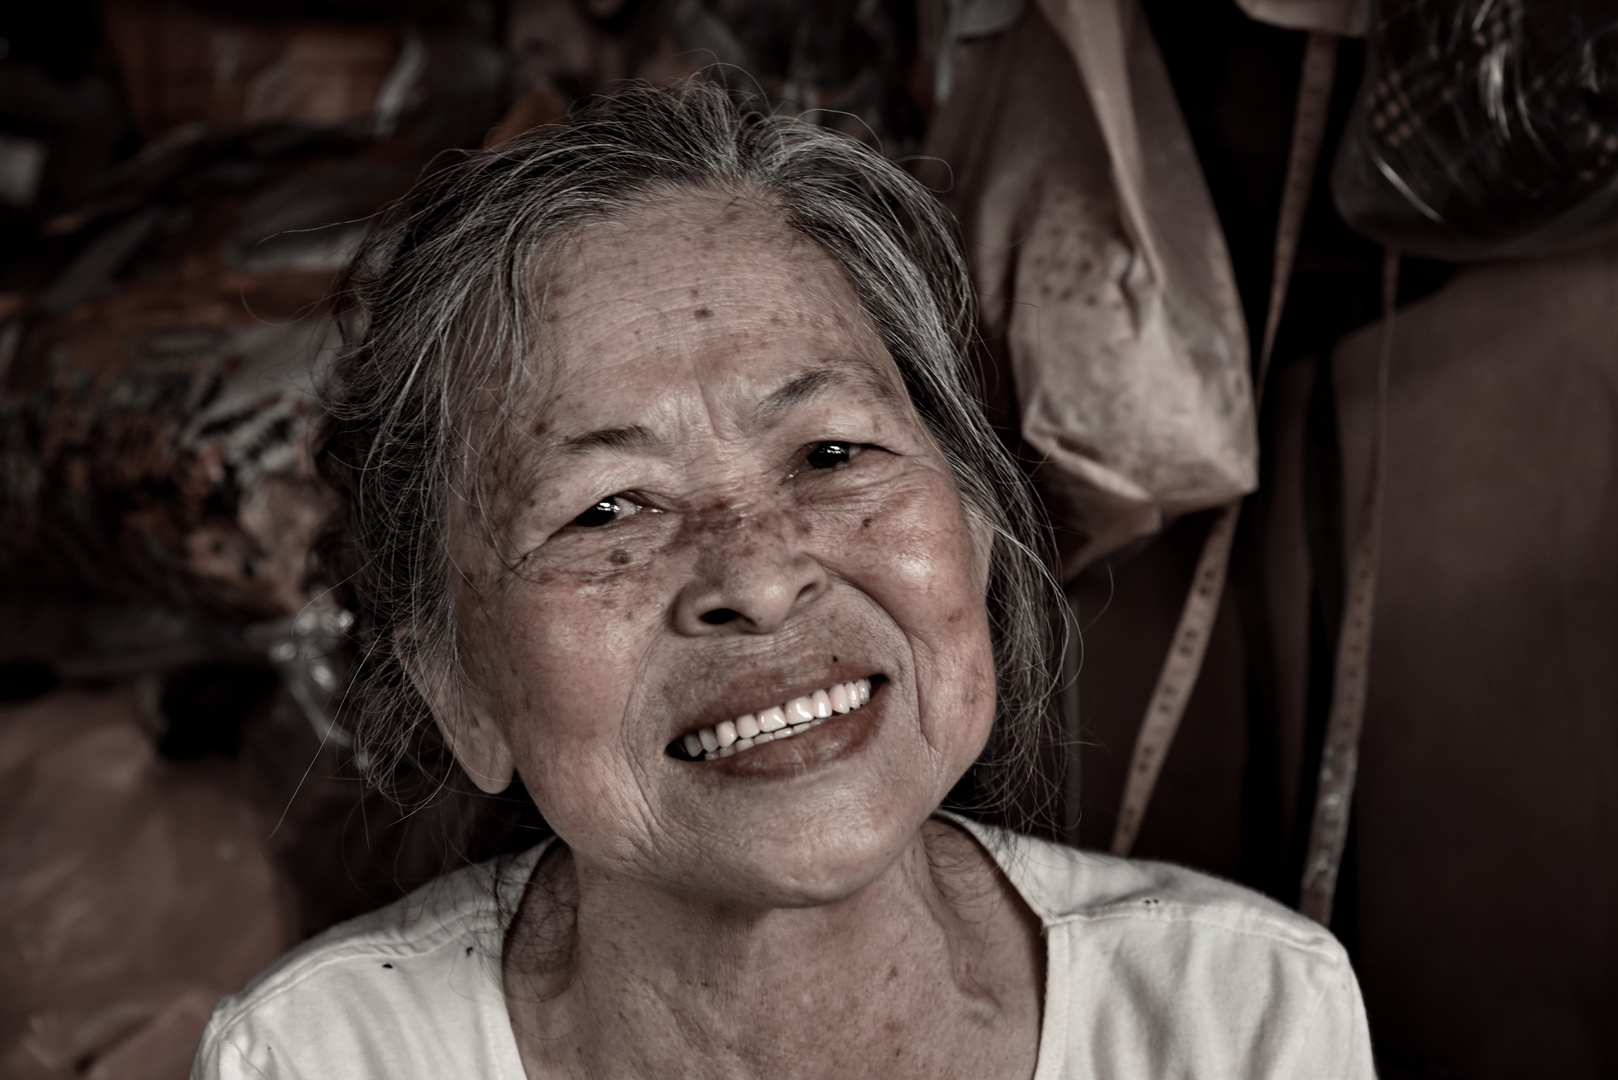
(241, 1054)
(415, 939)
(343, 954)
(1324, 951)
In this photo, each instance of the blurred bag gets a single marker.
(133, 893)
(1484, 128)
(159, 400)
(1105, 282)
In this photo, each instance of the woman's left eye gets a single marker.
(608, 510)
(829, 455)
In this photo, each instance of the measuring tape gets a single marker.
(1340, 756)
(1166, 707)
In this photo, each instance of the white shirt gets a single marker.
(1152, 971)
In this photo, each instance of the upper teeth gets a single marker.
(777, 722)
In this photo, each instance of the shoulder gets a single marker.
(1175, 971)
(1067, 886)
(404, 991)
(1064, 884)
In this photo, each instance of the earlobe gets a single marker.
(471, 734)
(480, 747)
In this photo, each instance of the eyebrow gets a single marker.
(808, 384)
(795, 391)
(629, 437)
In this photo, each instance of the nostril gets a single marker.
(720, 616)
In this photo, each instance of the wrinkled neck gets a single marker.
(612, 977)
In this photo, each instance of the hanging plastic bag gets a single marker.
(1484, 128)
(133, 893)
(1104, 277)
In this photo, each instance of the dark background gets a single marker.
(204, 166)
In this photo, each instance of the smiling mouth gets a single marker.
(730, 737)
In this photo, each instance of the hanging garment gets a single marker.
(1483, 896)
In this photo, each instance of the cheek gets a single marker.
(911, 544)
(569, 647)
(572, 653)
(912, 552)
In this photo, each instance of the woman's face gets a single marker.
(726, 502)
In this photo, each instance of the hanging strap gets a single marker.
(1340, 756)
(1190, 642)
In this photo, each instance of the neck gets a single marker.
(913, 974)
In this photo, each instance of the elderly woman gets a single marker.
(670, 500)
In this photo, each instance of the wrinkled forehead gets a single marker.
(695, 287)
(709, 292)
(704, 224)
(682, 278)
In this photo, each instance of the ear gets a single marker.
(468, 728)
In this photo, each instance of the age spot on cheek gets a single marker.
(619, 557)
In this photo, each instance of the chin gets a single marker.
(799, 867)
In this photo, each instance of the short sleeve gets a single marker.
(1337, 1040)
(221, 1059)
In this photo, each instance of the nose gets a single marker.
(752, 575)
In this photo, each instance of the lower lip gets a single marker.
(838, 737)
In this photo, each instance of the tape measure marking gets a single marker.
(1166, 707)
(1340, 756)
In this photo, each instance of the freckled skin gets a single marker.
(745, 577)
(871, 557)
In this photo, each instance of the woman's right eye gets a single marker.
(608, 510)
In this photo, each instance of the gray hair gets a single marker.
(438, 309)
